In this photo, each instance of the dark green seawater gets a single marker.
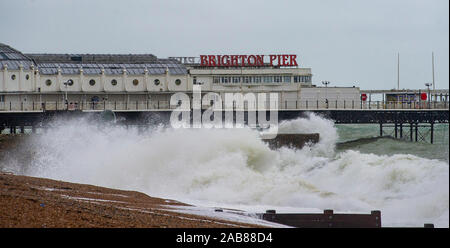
(365, 138)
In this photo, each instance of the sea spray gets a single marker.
(233, 167)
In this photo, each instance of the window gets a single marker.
(13, 76)
(70, 82)
(195, 82)
(257, 79)
(295, 79)
(92, 82)
(48, 82)
(2, 98)
(305, 79)
(178, 82)
(27, 77)
(95, 99)
(287, 79)
(277, 79)
(247, 79)
(216, 80)
(156, 82)
(135, 82)
(225, 80)
(268, 79)
(113, 82)
(236, 80)
(308, 79)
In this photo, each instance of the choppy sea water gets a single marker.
(365, 138)
(347, 171)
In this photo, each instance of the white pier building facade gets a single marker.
(39, 82)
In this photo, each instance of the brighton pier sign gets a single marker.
(287, 60)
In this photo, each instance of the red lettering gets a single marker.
(212, 60)
(243, 57)
(225, 60)
(219, 60)
(259, 60)
(234, 60)
(285, 60)
(251, 60)
(203, 60)
(272, 58)
(293, 59)
(247, 60)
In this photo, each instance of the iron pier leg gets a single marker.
(396, 129)
(411, 131)
(401, 130)
(432, 131)
(11, 130)
(381, 129)
(417, 127)
(22, 129)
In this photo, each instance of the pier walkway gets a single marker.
(15, 115)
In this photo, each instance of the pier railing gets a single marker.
(27, 106)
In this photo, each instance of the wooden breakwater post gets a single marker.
(295, 140)
(326, 220)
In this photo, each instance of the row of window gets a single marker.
(302, 79)
(224, 79)
(13, 77)
(261, 79)
(92, 82)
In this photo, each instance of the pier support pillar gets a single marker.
(396, 130)
(33, 129)
(432, 132)
(417, 127)
(401, 130)
(381, 129)
(22, 129)
(411, 131)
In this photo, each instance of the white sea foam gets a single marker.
(234, 168)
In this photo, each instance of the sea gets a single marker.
(350, 170)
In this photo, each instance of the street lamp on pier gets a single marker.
(326, 83)
(67, 83)
(429, 94)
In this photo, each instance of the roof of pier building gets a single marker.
(49, 64)
(13, 59)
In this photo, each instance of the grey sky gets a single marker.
(347, 42)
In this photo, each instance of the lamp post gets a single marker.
(429, 98)
(68, 82)
(326, 83)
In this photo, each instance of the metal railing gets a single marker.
(165, 105)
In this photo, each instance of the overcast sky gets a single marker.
(346, 42)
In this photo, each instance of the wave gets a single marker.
(234, 167)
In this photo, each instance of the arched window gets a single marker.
(113, 82)
(27, 77)
(178, 82)
(92, 82)
(157, 82)
(48, 82)
(13, 76)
